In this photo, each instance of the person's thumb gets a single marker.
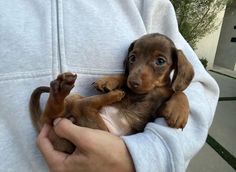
(66, 129)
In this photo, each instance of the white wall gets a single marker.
(206, 47)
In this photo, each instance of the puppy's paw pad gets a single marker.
(67, 81)
(64, 83)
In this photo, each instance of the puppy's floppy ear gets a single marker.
(127, 57)
(183, 73)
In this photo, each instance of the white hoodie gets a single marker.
(41, 38)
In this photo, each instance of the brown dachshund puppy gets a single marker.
(148, 92)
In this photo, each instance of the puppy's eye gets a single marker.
(132, 59)
(160, 61)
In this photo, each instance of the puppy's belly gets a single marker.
(114, 121)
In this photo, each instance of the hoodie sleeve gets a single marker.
(159, 147)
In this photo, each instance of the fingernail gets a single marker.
(56, 121)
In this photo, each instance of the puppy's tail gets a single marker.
(35, 110)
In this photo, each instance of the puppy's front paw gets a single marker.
(106, 84)
(118, 95)
(175, 118)
(175, 111)
(63, 84)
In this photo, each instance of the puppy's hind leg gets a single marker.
(59, 89)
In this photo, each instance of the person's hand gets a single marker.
(96, 150)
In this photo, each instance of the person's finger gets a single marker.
(76, 134)
(45, 146)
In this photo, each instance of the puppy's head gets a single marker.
(150, 61)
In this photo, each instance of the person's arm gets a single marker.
(96, 150)
(159, 147)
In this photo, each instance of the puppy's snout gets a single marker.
(135, 83)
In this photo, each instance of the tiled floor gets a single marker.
(227, 85)
(207, 160)
(223, 130)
